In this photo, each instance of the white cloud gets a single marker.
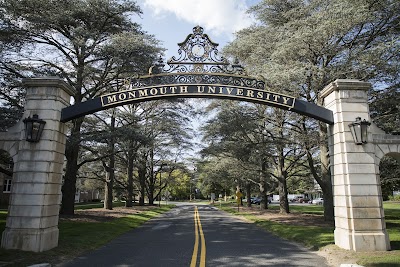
(217, 16)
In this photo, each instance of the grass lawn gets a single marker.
(311, 236)
(317, 237)
(77, 237)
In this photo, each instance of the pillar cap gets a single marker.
(347, 84)
(49, 82)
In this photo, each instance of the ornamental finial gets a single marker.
(198, 30)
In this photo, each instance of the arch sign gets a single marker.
(198, 72)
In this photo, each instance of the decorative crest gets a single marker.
(198, 62)
(198, 54)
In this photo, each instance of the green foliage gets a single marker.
(221, 174)
(385, 109)
(91, 44)
(389, 169)
(179, 185)
(87, 42)
(299, 47)
(394, 198)
(9, 117)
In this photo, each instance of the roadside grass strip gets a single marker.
(317, 237)
(312, 237)
(77, 237)
(86, 206)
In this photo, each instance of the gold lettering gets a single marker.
(183, 89)
(173, 88)
(276, 97)
(260, 95)
(121, 97)
(200, 89)
(142, 93)
(131, 94)
(285, 100)
(211, 89)
(163, 90)
(111, 99)
(229, 90)
(239, 91)
(250, 93)
(153, 91)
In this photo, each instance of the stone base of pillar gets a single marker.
(361, 241)
(36, 240)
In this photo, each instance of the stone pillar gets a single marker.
(359, 218)
(32, 221)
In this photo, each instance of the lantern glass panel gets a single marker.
(364, 132)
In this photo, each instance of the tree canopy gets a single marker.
(301, 46)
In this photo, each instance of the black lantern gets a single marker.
(359, 130)
(33, 128)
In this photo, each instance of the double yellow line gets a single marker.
(198, 230)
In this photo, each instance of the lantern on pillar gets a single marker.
(33, 128)
(359, 130)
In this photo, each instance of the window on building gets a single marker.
(7, 186)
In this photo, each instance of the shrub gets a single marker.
(394, 198)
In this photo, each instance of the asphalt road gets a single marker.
(199, 235)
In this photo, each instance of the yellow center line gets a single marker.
(203, 244)
(196, 240)
(198, 229)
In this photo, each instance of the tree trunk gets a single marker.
(326, 182)
(142, 182)
(263, 185)
(248, 194)
(108, 188)
(152, 179)
(68, 188)
(283, 193)
(151, 196)
(72, 154)
(282, 183)
(131, 160)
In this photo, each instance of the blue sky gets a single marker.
(170, 21)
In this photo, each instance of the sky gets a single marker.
(170, 21)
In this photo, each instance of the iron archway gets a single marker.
(198, 72)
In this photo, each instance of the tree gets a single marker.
(90, 44)
(237, 132)
(390, 176)
(385, 111)
(164, 123)
(179, 184)
(301, 46)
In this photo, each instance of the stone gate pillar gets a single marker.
(359, 218)
(32, 221)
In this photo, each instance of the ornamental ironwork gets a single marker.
(198, 71)
(198, 54)
(198, 62)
